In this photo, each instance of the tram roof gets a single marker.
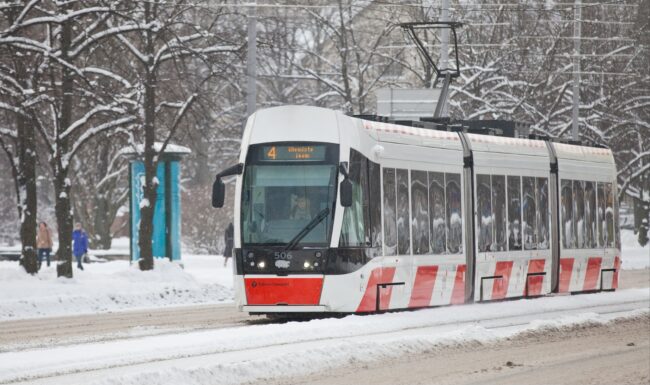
(289, 122)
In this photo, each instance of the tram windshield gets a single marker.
(282, 195)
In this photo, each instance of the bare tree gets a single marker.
(169, 47)
(18, 136)
(75, 99)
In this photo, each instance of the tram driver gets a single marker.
(301, 209)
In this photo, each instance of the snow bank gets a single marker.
(111, 286)
(634, 256)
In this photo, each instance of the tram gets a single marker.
(338, 214)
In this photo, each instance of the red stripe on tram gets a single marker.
(377, 276)
(534, 283)
(593, 271)
(617, 267)
(500, 286)
(566, 270)
(458, 295)
(425, 279)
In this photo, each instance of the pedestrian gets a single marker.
(44, 243)
(79, 244)
(228, 238)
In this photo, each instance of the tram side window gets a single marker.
(420, 210)
(514, 212)
(484, 207)
(374, 182)
(499, 212)
(567, 214)
(609, 215)
(600, 213)
(529, 213)
(437, 212)
(542, 214)
(390, 211)
(355, 230)
(454, 214)
(590, 215)
(403, 231)
(579, 214)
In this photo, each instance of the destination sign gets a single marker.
(293, 153)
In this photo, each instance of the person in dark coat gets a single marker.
(79, 244)
(228, 238)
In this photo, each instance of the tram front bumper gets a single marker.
(283, 291)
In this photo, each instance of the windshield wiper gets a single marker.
(309, 227)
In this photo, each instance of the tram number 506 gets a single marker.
(283, 255)
(271, 153)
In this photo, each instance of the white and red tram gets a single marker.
(338, 214)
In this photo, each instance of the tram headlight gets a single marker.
(306, 265)
(261, 264)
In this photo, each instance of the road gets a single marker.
(617, 353)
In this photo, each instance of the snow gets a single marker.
(239, 354)
(144, 203)
(171, 148)
(633, 255)
(113, 286)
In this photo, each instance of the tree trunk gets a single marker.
(27, 188)
(102, 213)
(60, 165)
(149, 189)
(102, 221)
(64, 223)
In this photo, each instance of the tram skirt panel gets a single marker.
(438, 285)
(519, 277)
(588, 273)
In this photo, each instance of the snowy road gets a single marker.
(238, 354)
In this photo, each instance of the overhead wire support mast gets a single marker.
(446, 73)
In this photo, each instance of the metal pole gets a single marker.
(444, 37)
(251, 62)
(576, 69)
(444, 53)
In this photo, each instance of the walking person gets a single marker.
(44, 243)
(79, 244)
(228, 238)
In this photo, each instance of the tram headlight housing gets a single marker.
(261, 265)
(306, 265)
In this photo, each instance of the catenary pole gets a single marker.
(576, 69)
(444, 40)
(251, 62)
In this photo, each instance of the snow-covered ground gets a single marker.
(112, 286)
(634, 256)
(248, 353)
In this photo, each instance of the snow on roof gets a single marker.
(169, 149)
(506, 140)
(407, 130)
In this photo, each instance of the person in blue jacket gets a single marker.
(79, 244)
